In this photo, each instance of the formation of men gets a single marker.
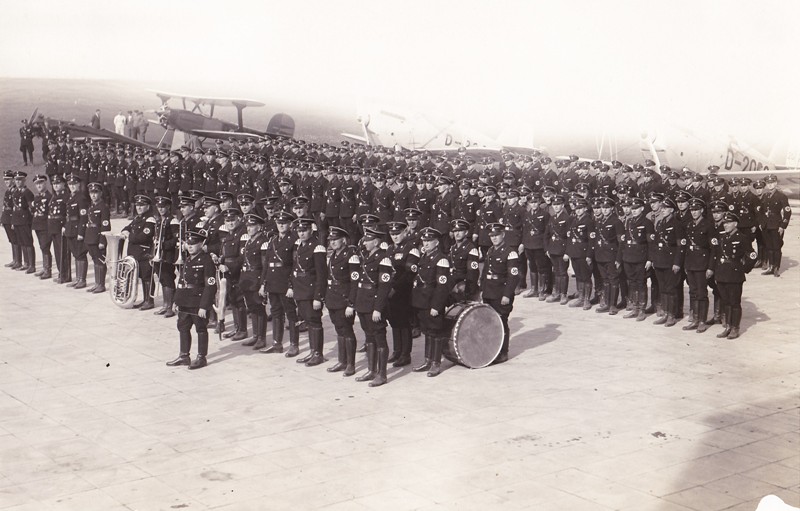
(365, 232)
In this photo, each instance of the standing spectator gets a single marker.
(141, 124)
(95, 122)
(136, 120)
(129, 124)
(119, 123)
(26, 142)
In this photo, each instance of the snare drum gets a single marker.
(476, 334)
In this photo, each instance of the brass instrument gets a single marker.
(179, 260)
(158, 256)
(222, 297)
(124, 272)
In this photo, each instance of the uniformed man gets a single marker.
(337, 299)
(165, 244)
(579, 251)
(555, 244)
(197, 286)
(8, 209)
(699, 233)
(38, 207)
(277, 256)
(21, 220)
(499, 280)
(429, 298)
(75, 229)
(98, 222)
(490, 212)
(606, 239)
(56, 220)
(373, 272)
(307, 287)
(638, 230)
(140, 233)
(230, 267)
(732, 257)
(248, 299)
(669, 244)
(464, 257)
(776, 213)
(404, 255)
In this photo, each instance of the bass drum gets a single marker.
(476, 334)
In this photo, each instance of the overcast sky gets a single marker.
(729, 64)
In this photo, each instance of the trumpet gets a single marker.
(158, 256)
(179, 260)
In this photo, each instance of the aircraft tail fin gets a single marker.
(281, 124)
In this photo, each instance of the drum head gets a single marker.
(477, 336)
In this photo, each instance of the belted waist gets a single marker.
(275, 265)
(366, 285)
(189, 286)
(301, 273)
(493, 276)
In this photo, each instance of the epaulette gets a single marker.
(443, 263)
(319, 248)
(354, 259)
(474, 252)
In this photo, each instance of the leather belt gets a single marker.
(492, 276)
(301, 273)
(365, 286)
(275, 265)
(189, 286)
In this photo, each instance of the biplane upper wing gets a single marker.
(207, 100)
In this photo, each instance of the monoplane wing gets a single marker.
(84, 131)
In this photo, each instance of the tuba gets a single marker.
(124, 272)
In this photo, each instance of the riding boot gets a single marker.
(714, 319)
(587, 293)
(694, 317)
(372, 364)
(726, 323)
(169, 300)
(406, 343)
(25, 263)
(82, 269)
(396, 344)
(606, 305)
(47, 267)
(94, 286)
(555, 297)
(670, 307)
(701, 315)
(31, 260)
(769, 258)
(662, 317)
(380, 378)
(342, 358)
(310, 354)
(641, 306)
(543, 283)
(259, 331)
(565, 298)
(277, 335)
(38, 273)
(294, 339)
(15, 257)
(317, 333)
(235, 315)
(148, 302)
(578, 301)
(241, 326)
(350, 353)
(533, 292)
(735, 320)
(633, 301)
(436, 365)
(202, 352)
(778, 255)
(362, 348)
(428, 356)
(253, 340)
(678, 306)
(611, 298)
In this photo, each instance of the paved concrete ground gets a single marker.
(592, 412)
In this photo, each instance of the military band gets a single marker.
(394, 238)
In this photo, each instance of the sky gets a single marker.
(726, 65)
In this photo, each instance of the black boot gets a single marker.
(350, 353)
(169, 301)
(311, 344)
(436, 362)
(544, 282)
(31, 260)
(613, 295)
(735, 320)
(693, 321)
(26, 263)
(715, 319)
(100, 278)
(606, 305)
(341, 360)
(670, 305)
(633, 301)
(380, 378)
(776, 268)
(277, 336)
(186, 345)
(16, 257)
(555, 297)
(241, 327)
(81, 268)
(372, 364)
(259, 331)
(662, 318)
(235, 314)
(318, 334)
(533, 292)
(770, 269)
(428, 356)
(47, 267)
(641, 306)
(294, 339)
(183, 360)
(406, 343)
(702, 315)
(726, 317)
(587, 295)
(578, 301)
